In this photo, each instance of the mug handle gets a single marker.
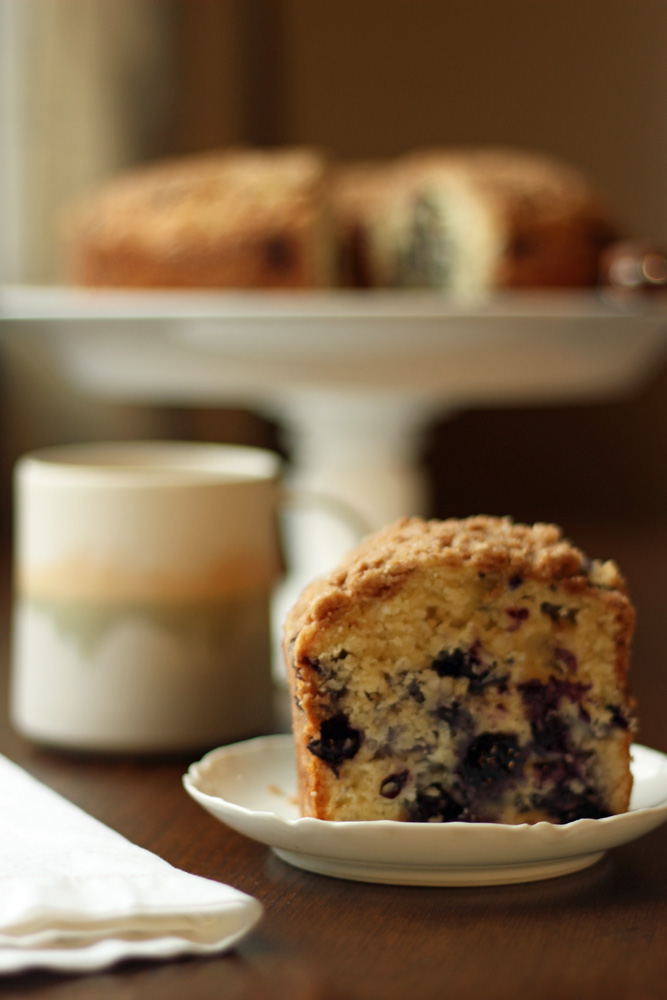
(339, 509)
(308, 551)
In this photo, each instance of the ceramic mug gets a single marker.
(142, 577)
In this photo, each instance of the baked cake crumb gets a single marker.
(469, 670)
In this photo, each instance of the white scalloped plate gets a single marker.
(250, 787)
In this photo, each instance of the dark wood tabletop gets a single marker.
(599, 933)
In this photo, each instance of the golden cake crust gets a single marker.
(236, 218)
(490, 544)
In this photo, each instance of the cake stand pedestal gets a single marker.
(353, 378)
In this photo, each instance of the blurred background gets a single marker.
(90, 86)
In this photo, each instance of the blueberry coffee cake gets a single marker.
(234, 218)
(468, 221)
(465, 221)
(469, 670)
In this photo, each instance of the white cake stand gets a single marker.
(353, 378)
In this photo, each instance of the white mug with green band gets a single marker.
(142, 575)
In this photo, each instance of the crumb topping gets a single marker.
(492, 545)
(194, 196)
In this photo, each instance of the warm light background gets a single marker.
(90, 85)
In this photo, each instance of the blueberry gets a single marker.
(584, 808)
(518, 616)
(462, 663)
(558, 613)
(392, 786)
(522, 245)
(551, 734)
(565, 658)
(540, 699)
(415, 691)
(515, 581)
(433, 803)
(554, 772)
(542, 702)
(618, 717)
(565, 806)
(491, 758)
(279, 253)
(338, 741)
(454, 663)
(452, 714)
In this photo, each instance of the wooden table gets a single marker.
(598, 933)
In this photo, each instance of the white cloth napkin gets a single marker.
(77, 896)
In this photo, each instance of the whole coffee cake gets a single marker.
(469, 670)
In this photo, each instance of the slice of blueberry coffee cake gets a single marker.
(468, 670)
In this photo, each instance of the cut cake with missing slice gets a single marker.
(468, 670)
(471, 221)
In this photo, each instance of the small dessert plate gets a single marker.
(250, 787)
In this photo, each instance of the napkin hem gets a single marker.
(111, 951)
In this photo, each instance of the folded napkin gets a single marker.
(77, 896)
